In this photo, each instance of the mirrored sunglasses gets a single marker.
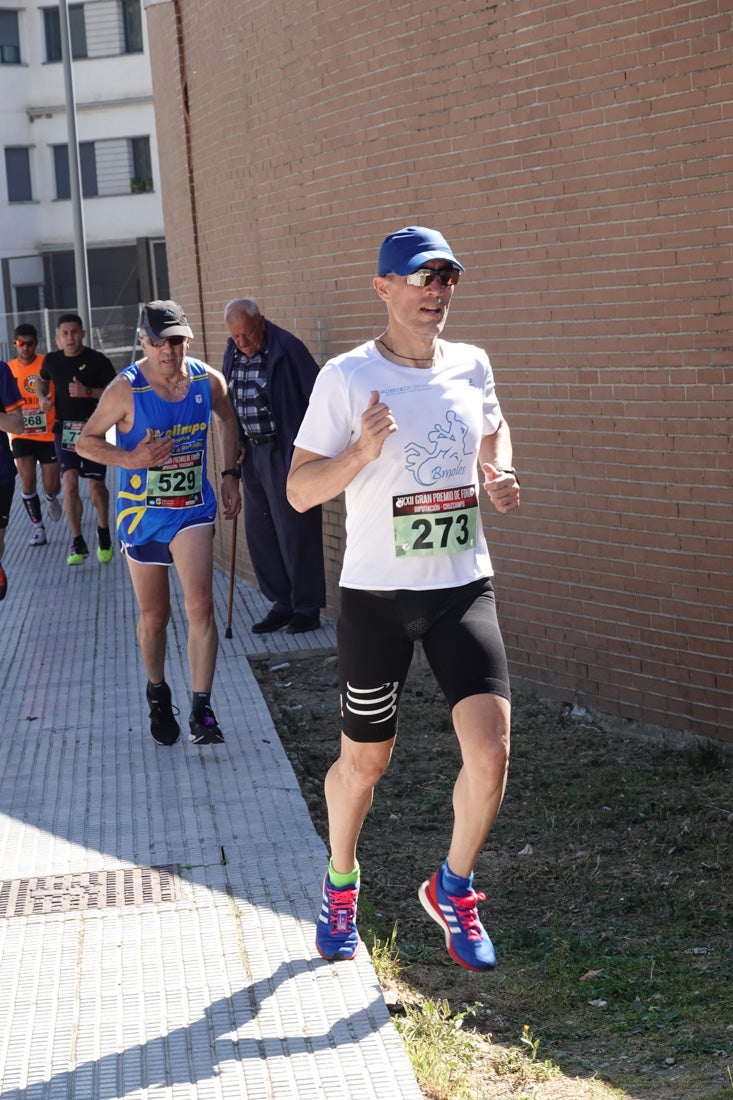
(25, 343)
(424, 276)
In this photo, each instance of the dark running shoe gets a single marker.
(3, 583)
(205, 729)
(105, 550)
(163, 726)
(79, 552)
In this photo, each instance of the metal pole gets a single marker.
(80, 245)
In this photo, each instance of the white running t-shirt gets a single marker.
(412, 515)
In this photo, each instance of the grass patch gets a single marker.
(608, 876)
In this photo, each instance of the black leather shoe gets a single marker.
(273, 620)
(299, 624)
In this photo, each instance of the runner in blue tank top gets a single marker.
(161, 408)
(153, 505)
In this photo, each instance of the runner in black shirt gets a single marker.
(79, 375)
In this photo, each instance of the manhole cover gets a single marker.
(24, 897)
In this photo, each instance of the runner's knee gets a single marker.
(154, 620)
(362, 766)
(199, 607)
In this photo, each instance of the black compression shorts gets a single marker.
(376, 634)
(43, 450)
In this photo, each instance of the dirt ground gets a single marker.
(608, 878)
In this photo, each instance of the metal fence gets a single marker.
(113, 331)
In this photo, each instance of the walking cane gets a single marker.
(232, 560)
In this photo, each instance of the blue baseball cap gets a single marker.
(406, 250)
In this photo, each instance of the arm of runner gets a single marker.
(12, 421)
(116, 409)
(315, 478)
(495, 456)
(79, 389)
(11, 402)
(43, 391)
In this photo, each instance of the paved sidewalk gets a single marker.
(157, 905)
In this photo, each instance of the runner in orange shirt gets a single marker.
(35, 445)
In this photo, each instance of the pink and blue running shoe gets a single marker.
(336, 934)
(466, 938)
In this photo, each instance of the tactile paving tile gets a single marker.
(216, 993)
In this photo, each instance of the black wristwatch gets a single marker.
(232, 471)
(510, 470)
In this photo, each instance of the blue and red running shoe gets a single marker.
(466, 938)
(336, 934)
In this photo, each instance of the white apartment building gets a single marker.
(123, 213)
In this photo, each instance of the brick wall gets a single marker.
(578, 156)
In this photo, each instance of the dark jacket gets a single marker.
(291, 373)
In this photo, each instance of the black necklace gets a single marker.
(412, 358)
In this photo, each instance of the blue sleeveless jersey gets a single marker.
(153, 505)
